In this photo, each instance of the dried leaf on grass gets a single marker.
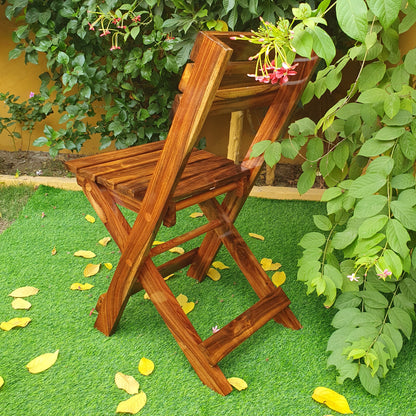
(90, 219)
(53, 252)
(156, 243)
(1, 381)
(185, 305)
(213, 274)
(178, 250)
(219, 265)
(267, 264)
(169, 276)
(256, 236)
(196, 215)
(126, 383)
(91, 269)
(42, 362)
(108, 266)
(237, 383)
(84, 253)
(15, 322)
(23, 292)
(132, 405)
(332, 399)
(146, 366)
(279, 278)
(146, 296)
(104, 241)
(19, 303)
(80, 286)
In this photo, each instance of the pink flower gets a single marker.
(105, 33)
(281, 75)
(92, 311)
(137, 18)
(91, 26)
(31, 94)
(353, 277)
(113, 48)
(385, 273)
(215, 329)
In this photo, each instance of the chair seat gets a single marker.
(128, 172)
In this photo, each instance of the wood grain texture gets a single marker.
(157, 179)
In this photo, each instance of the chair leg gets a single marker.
(181, 328)
(245, 259)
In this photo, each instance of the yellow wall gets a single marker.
(21, 79)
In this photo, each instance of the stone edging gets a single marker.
(70, 184)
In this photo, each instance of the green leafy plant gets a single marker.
(362, 258)
(23, 116)
(123, 94)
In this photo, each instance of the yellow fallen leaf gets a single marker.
(108, 266)
(19, 303)
(23, 292)
(267, 264)
(132, 405)
(178, 250)
(1, 381)
(219, 265)
(13, 323)
(84, 253)
(146, 366)
(42, 362)
(196, 215)
(257, 236)
(213, 274)
(188, 307)
(79, 286)
(169, 276)
(126, 383)
(90, 218)
(332, 399)
(91, 269)
(53, 252)
(146, 296)
(104, 241)
(279, 278)
(182, 299)
(237, 383)
(156, 243)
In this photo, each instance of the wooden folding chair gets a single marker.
(158, 179)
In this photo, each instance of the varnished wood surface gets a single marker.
(157, 179)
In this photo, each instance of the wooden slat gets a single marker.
(76, 164)
(218, 345)
(178, 263)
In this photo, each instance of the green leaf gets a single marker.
(331, 193)
(386, 10)
(402, 118)
(347, 300)
(392, 105)
(408, 288)
(375, 147)
(373, 299)
(352, 18)
(373, 95)
(400, 319)
(369, 382)
(344, 238)
(334, 274)
(372, 226)
(405, 214)
(302, 41)
(366, 185)
(273, 153)
(371, 75)
(306, 180)
(407, 143)
(312, 240)
(383, 165)
(62, 58)
(403, 181)
(259, 148)
(389, 133)
(290, 148)
(408, 196)
(391, 261)
(322, 222)
(410, 62)
(315, 149)
(323, 44)
(397, 237)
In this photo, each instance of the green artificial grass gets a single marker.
(282, 367)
